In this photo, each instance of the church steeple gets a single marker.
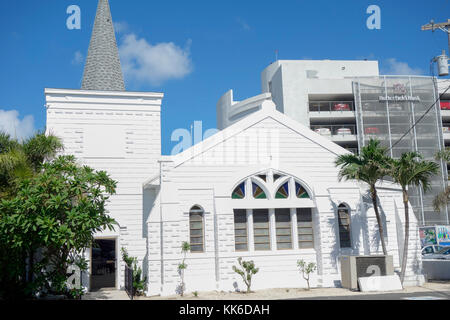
(103, 70)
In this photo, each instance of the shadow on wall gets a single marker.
(148, 203)
(375, 241)
(361, 241)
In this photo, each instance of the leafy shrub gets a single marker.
(306, 269)
(139, 283)
(247, 271)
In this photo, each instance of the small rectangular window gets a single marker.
(196, 231)
(344, 227)
(305, 228)
(261, 229)
(283, 228)
(240, 230)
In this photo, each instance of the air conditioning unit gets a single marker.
(354, 267)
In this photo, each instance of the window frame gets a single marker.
(259, 228)
(312, 229)
(198, 211)
(244, 212)
(284, 228)
(344, 206)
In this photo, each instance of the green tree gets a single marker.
(306, 269)
(57, 211)
(139, 282)
(411, 170)
(22, 160)
(247, 270)
(185, 248)
(370, 166)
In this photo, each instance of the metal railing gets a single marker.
(335, 130)
(331, 106)
(129, 282)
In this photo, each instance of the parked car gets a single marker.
(323, 131)
(431, 249)
(445, 105)
(341, 107)
(443, 254)
(344, 131)
(371, 130)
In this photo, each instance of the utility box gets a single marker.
(354, 267)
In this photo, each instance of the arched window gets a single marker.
(239, 192)
(301, 191)
(258, 192)
(344, 226)
(283, 192)
(196, 215)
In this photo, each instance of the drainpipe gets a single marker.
(161, 229)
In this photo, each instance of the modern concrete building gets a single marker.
(350, 103)
(265, 188)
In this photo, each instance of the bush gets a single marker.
(139, 283)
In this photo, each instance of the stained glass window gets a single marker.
(263, 177)
(258, 192)
(276, 177)
(239, 192)
(301, 192)
(283, 192)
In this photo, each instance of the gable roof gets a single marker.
(248, 122)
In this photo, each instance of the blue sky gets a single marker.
(214, 46)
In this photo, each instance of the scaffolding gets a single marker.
(386, 108)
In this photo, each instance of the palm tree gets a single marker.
(370, 166)
(411, 170)
(442, 199)
(20, 160)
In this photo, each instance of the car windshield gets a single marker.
(444, 251)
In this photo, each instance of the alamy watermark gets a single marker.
(73, 22)
(374, 20)
(254, 146)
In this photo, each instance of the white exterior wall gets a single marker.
(292, 81)
(119, 132)
(201, 176)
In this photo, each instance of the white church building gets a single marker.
(265, 188)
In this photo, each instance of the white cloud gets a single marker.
(77, 58)
(120, 26)
(154, 64)
(17, 128)
(394, 67)
(244, 25)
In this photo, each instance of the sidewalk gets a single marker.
(281, 294)
(106, 295)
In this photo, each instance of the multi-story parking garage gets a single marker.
(349, 103)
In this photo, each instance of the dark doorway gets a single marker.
(103, 273)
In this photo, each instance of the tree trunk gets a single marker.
(405, 245)
(373, 192)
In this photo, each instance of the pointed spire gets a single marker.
(102, 70)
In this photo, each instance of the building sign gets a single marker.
(402, 98)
